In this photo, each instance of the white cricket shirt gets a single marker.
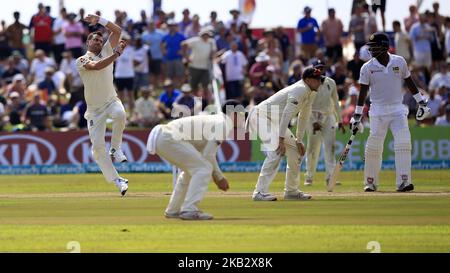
(385, 83)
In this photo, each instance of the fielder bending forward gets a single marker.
(189, 144)
(325, 113)
(384, 75)
(275, 113)
(96, 71)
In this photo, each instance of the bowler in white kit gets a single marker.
(384, 75)
(96, 71)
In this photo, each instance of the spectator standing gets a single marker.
(333, 29)
(235, 67)
(173, 54)
(59, 37)
(412, 18)
(310, 31)
(235, 20)
(41, 29)
(382, 8)
(213, 23)
(153, 37)
(74, 31)
(186, 21)
(357, 28)
(194, 28)
(403, 45)
(5, 49)
(140, 64)
(202, 50)
(124, 73)
(421, 35)
(15, 34)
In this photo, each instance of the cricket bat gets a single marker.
(337, 169)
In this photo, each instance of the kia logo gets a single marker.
(25, 150)
(80, 150)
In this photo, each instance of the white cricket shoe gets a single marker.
(308, 182)
(370, 188)
(172, 215)
(195, 215)
(117, 155)
(264, 197)
(297, 196)
(122, 185)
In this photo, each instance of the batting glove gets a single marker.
(424, 111)
(355, 122)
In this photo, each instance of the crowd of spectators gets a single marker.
(169, 63)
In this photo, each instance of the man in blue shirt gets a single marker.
(310, 32)
(173, 53)
(153, 38)
(167, 98)
(421, 35)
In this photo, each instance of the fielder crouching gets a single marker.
(191, 144)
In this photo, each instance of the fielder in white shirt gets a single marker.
(96, 71)
(325, 115)
(191, 144)
(384, 75)
(270, 120)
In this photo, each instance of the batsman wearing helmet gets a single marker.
(384, 75)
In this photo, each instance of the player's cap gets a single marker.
(14, 94)
(262, 57)
(18, 77)
(312, 73)
(186, 88)
(379, 39)
(318, 64)
(307, 9)
(235, 11)
(167, 82)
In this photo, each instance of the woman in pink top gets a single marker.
(73, 30)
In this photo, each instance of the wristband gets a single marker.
(418, 97)
(359, 110)
(103, 21)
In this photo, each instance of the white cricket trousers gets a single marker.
(97, 129)
(327, 136)
(192, 183)
(398, 123)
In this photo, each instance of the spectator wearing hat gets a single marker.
(14, 109)
(213, 23)
(236, 20)
(14, 32)
(310, 31)
(235, 68)
(41, 27)
(445, 119)
(146, 113)
(173, 54)
(167, 97)
(153, 37)
(73, 31)
(38, 66)
(333, 29)
(18, 85)
(258, 71)
(200, 59)
(59, 37)
(186, 104)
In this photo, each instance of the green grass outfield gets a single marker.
(44, 213)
